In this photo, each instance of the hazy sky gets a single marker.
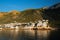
(8, 5)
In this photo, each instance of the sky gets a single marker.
(20, 5)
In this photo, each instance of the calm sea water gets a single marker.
(29, 35)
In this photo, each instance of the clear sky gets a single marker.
(8, 5)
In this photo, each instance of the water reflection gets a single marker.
(54, 35)
(24, 34)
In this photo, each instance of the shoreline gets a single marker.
(29, 28)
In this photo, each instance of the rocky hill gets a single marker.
(31, 15)
(53, 14)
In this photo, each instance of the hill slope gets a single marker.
(53, 14)
(30, 15)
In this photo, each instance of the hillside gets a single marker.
(51, 13)
(30, 15)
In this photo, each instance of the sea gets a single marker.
(29, 35)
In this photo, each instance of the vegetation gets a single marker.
(30, 15)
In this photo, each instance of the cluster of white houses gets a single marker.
(40, 23)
